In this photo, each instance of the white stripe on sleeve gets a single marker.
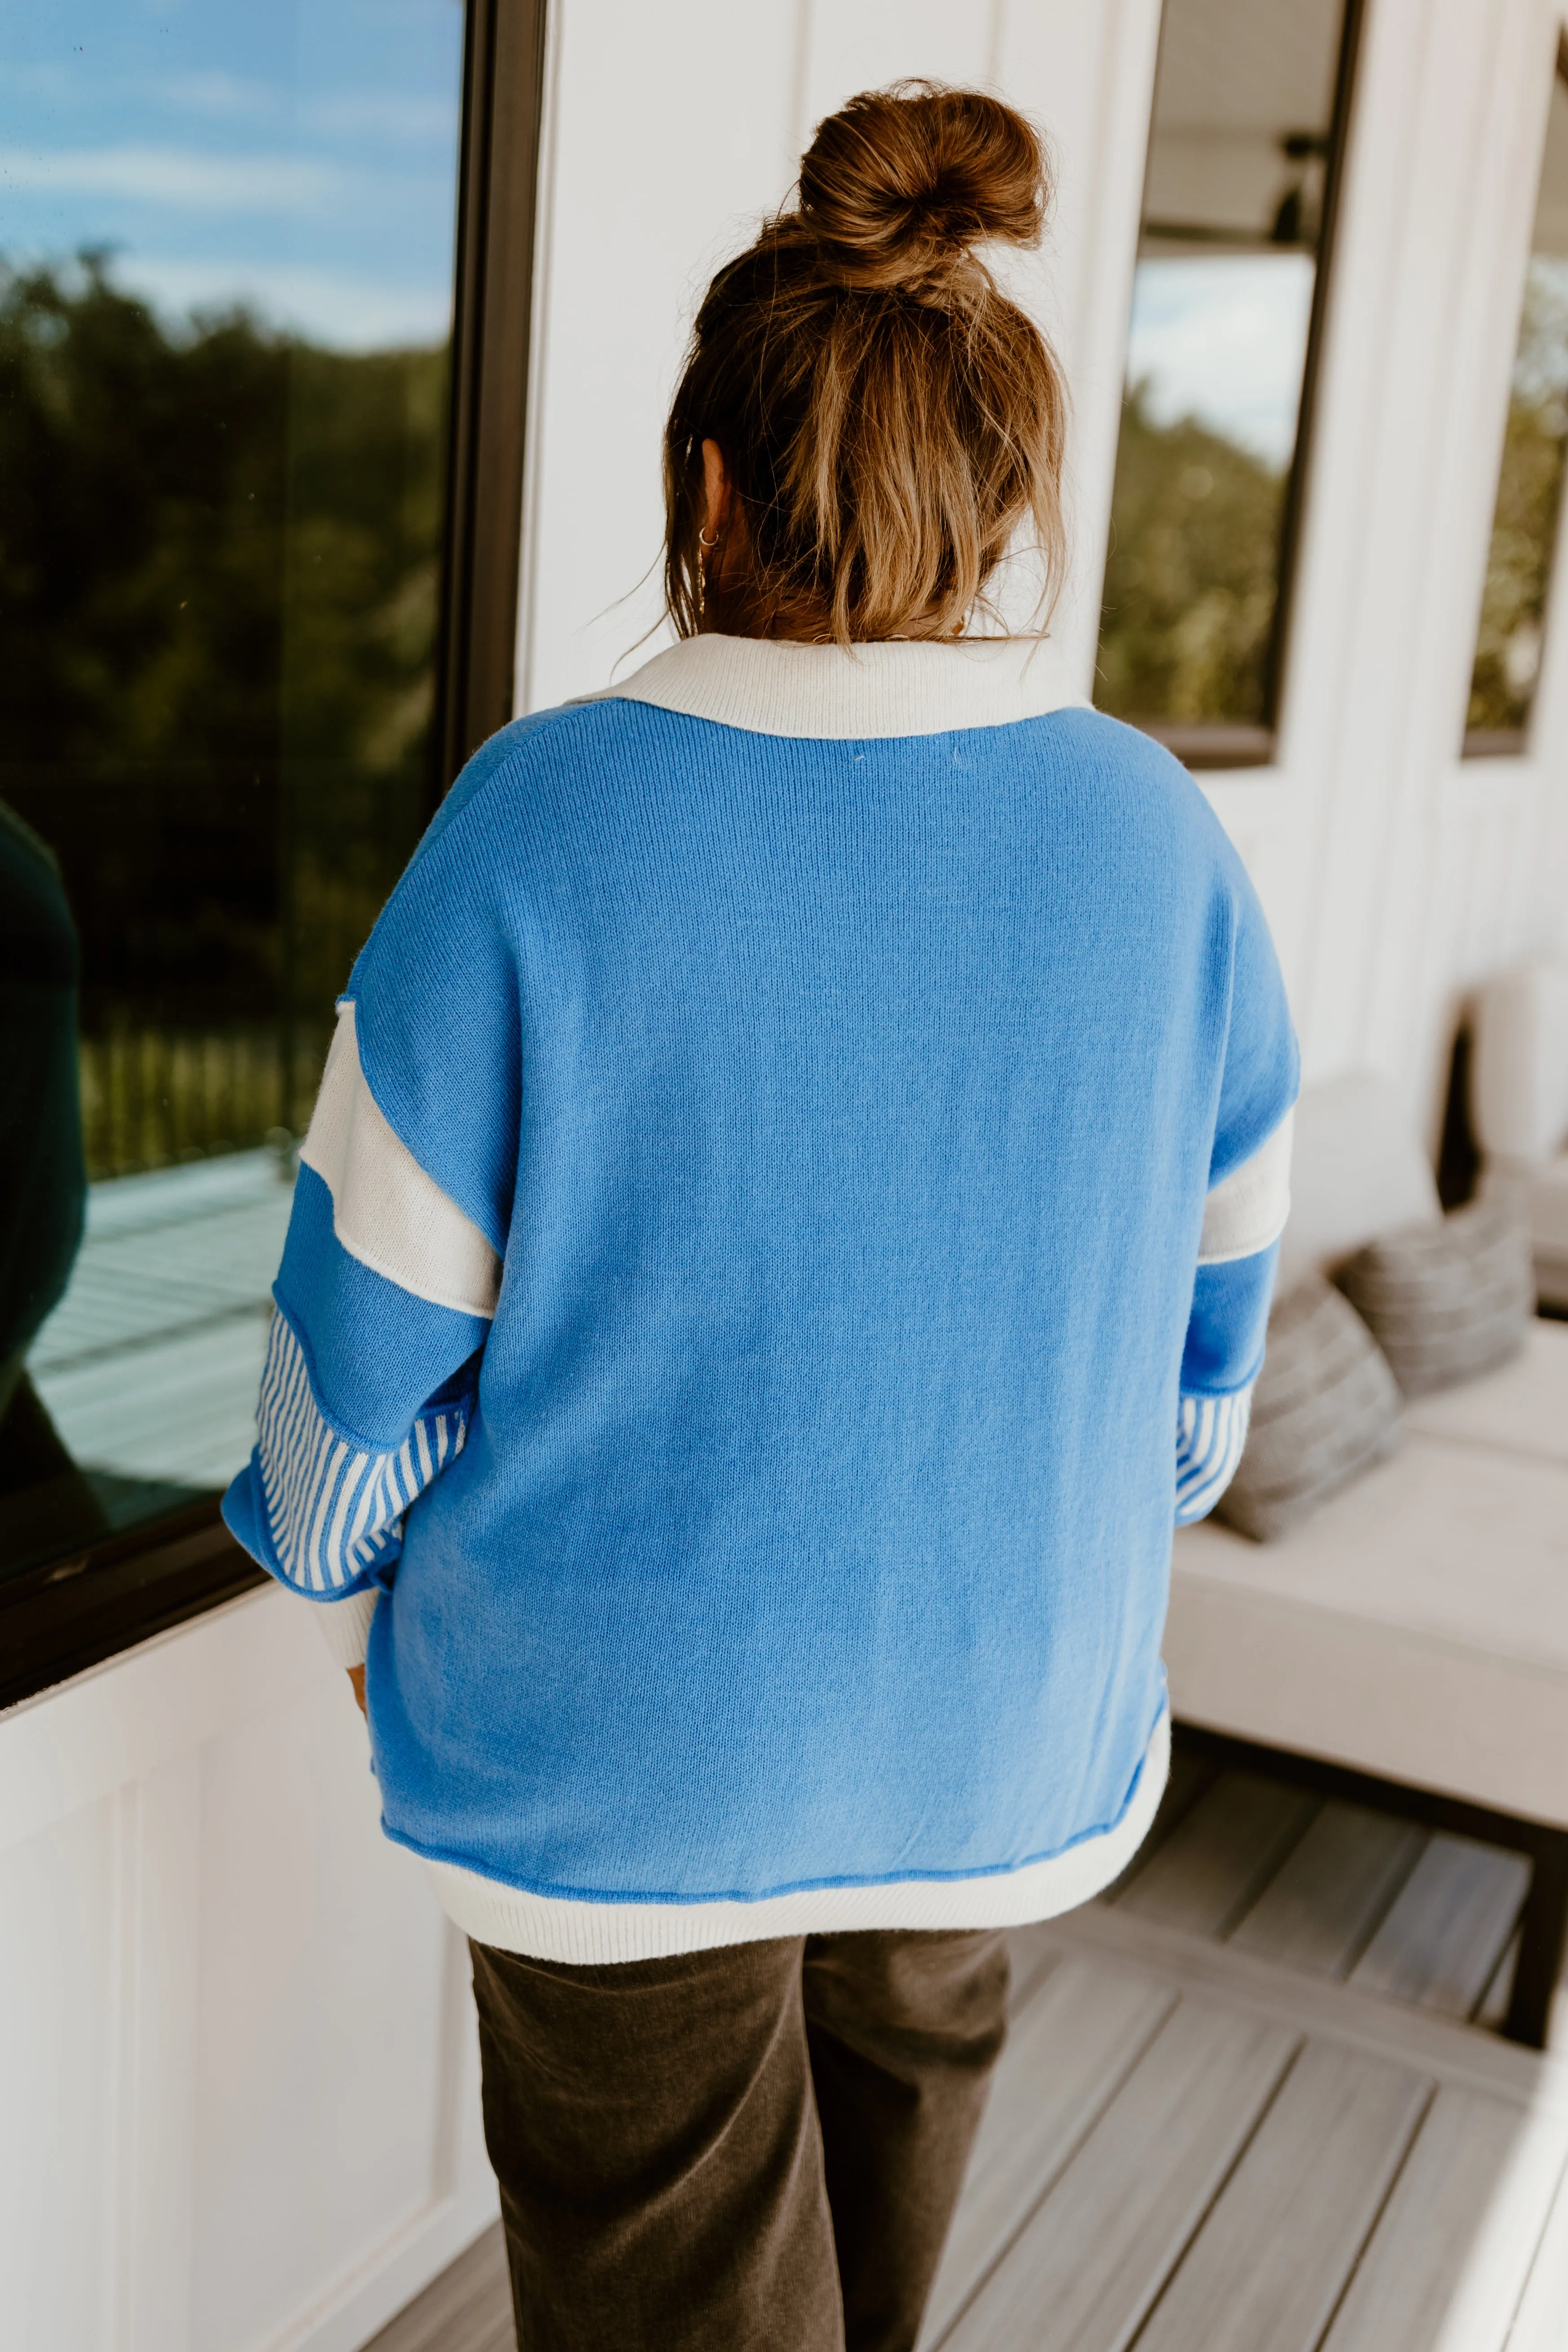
(386, 1211)
(1247, 1210)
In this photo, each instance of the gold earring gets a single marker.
(704, 546)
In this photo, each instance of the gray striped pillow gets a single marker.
(1326, 1408)
(1448, 1300)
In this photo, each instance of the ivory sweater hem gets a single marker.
(557, 1928)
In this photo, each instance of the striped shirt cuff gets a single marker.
(334, 1508)
(1210, 1435)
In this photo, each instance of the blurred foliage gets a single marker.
(218, 541)
(1524, 523)
(142, 502)
(1192, 582)
(153, 1094)
(219, 580)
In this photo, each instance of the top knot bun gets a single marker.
(900, 184)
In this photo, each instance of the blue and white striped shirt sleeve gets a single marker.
(334, 1506)
(1210, 1435)
(370, 1386)
(1243, 1220)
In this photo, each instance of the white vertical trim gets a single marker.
(158, 1833)
(542, 309)
(1414, 959)
(1087, 75)
(856, 45)
(119, 2221)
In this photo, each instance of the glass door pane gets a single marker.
(226, 300)
(1241, 152)
(1529, 481)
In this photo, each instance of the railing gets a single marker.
(152, 1096)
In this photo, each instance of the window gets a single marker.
(1250, 101)
(1529, 481)
(248, 481)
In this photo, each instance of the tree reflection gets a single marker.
(1192, 574)
(1524, 525)
(219, 566)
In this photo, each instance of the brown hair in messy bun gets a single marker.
(889, 419)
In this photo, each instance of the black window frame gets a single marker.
(1218, 744)
(77, 1610)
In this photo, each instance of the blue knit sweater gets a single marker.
(787, 1226)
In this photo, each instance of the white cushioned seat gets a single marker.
(1416, 1626)
(1523, 1408)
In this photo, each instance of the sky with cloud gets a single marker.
(1222, 337)
(297, 154)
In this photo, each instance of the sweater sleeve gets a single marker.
(393, 1262)
(1244, 1216)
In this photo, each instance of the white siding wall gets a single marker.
(237, 2082)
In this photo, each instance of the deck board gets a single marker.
(1096, 2251)
(1267, 2267)
(1190, 1777)
(1241, 2110)
(1032, 1964)
(1444, 1933)
(1068, 2053)
(467, 2309)
(1492, 2008)
(1448, 2262)
(1212, 1868)
(1333, 1892)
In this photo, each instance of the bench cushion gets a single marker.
(1447, 1302)
(1325, 1409)
(1418, 1626)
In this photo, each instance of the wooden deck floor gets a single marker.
(1250, 2103)
(1245, 2108)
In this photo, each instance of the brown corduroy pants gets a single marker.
(754, 2150)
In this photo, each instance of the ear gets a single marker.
(716, 489)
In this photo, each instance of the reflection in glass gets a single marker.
(226, 294)
(1239, 154)
(1530, 483)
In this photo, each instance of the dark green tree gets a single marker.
(1192, 582)
(219, 566)
(1524, 523)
